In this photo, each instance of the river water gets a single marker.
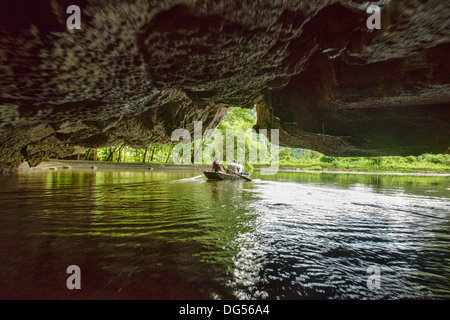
(175, 235)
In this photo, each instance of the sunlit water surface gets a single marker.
(175, 235)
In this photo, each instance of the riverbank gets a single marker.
(106, 165)
(341, 171)
(364, 170)
(410, 164)
(54, 165)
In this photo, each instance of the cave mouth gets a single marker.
(137, 71)
(242, 123)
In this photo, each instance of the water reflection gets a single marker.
(171, 235)
(315, 241)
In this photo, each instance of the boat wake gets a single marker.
(190, 179)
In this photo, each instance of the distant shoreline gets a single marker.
(136, 166)
(343, 171)
(349, 171)
(107, 165)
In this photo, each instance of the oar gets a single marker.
(243, 177)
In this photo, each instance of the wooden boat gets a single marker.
(225, 176)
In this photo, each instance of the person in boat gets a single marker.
(233, 167)
(240, 168)
(216, 166)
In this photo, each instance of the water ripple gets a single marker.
(174, 235)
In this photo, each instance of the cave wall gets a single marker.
(137, 70)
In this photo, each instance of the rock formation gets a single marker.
(139, 69)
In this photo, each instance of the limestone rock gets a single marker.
(139, 69)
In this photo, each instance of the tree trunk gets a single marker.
(145, 154)
(153, 152)
(120, 154)
(111, 154)
(170, 153)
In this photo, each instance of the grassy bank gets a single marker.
(424, 163)
(363, 168)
